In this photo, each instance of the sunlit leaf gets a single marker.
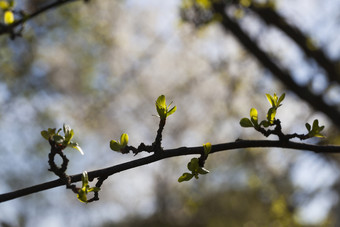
(8, 17)
(94, 189)
(204, 3)
(172, 110)
(124, 139)
(114, 145)
(270, 99)
(82, 195)
(271, 115)
(161, 102)
(282, 97)
(77, 147)
(207, 148)
(4, 5)
(253, 116)
(69, 133)
(162, 108)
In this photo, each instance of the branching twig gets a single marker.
(103, 173)
(10, 28)
(316, 101)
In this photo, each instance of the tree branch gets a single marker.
(103, 173)
(9, 28)
(273, 18)
(316, 101)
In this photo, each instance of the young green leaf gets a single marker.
(48, 134)
(85, 189)
(4, 5)
(94, 189)
(316, 129)
(282, 97)
(265, 124)
(162, 109)
(69, 133)
(124, 139)
(185, 177)
(114, 145)
(8, 17)
(118, 146)
(76, 146)
(82, 195)
(171, 111)
(207, 148)
(271, 100)
(246, 123)
(271, 115)
(253, 116)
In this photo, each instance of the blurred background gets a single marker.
(99, 67)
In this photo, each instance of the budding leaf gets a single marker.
(246, 123)
(114, 145)
(282, 97)
(4, 5)
(77, 147)
(118, 146)
(253, 116)
(271, 115)
(265, 124)
(8, 17)
(185, 177)
(69, 133)
(271, 100)
(172, 110)
(82, 195)
(207, 148)
(124, 139)
(162, 109)
(316, 129)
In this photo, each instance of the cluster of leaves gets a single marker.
(195, 166)
(162, 109)
(7, 9)
(63, 141)
(275, 102)
(58, 144)
(119, 145)
(85, 189)
(314, 131)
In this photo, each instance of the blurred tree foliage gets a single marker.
(99, 66)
